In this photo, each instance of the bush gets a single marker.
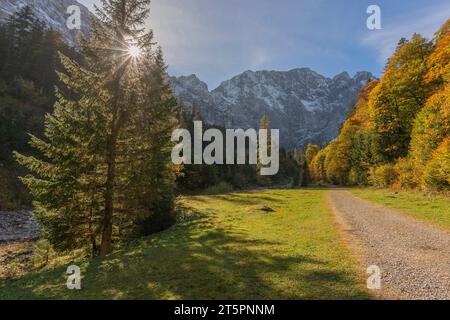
(357, 177)
(436, 175)
(42, 254)
(162, 216)
(383, 176)
(222, 187)
(408, 173)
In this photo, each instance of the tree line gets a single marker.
(398, 133)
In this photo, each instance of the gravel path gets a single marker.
(414, 257)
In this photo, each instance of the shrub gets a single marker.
(436, 175)
(408, 173)
(222, 187)
(162, 216)
(357, 177)
(383, 176)
(42, 254)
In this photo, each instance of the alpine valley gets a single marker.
(306, 106)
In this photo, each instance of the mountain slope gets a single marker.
(52, 12)
(306, 106)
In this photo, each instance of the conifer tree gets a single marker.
(264, 124)
(106, 159)
(302, 171)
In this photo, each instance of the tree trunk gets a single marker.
(117, 119)
(106, 244)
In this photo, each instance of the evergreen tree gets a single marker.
(260, 179)
(106, 162)
(302, 175)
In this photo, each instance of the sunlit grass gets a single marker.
(431, 208)
(278, 244)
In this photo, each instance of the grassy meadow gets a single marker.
(429, 208)
(275, 244)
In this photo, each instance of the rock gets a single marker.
(17, 226)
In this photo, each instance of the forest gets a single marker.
(398, 132)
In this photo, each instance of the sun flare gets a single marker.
(134, 51)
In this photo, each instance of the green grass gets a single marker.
(430, 208)
(277, 244)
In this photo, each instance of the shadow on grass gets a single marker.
(195, 260)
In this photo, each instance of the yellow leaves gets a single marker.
(437, 170)
(439, 61)
(431, 125)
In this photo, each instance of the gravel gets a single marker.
(414, 257)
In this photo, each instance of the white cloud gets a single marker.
(426, 23)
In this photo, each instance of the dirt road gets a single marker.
(414, 257)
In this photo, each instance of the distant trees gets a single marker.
(311, 151)
(301, 170)
(104, 168)
(196, 177)
(264, 124)
(398, 133)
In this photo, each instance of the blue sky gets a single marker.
(218, 39)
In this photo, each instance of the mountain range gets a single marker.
(306, 106)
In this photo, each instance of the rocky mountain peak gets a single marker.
(306, 106)
(52, 12)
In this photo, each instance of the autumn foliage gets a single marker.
(398, 133)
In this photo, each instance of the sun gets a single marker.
(134, 51)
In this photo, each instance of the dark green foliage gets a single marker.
(301, 169)
(104, 173)
(28, 59)
(195, 178)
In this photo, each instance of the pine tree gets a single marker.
(310, 153)
(106, 163)
(302, 171)
(264, 124)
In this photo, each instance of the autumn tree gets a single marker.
(431, 126)
(399, 96)
(437, 170)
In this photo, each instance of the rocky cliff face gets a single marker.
(52, 12)
(306, 106)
